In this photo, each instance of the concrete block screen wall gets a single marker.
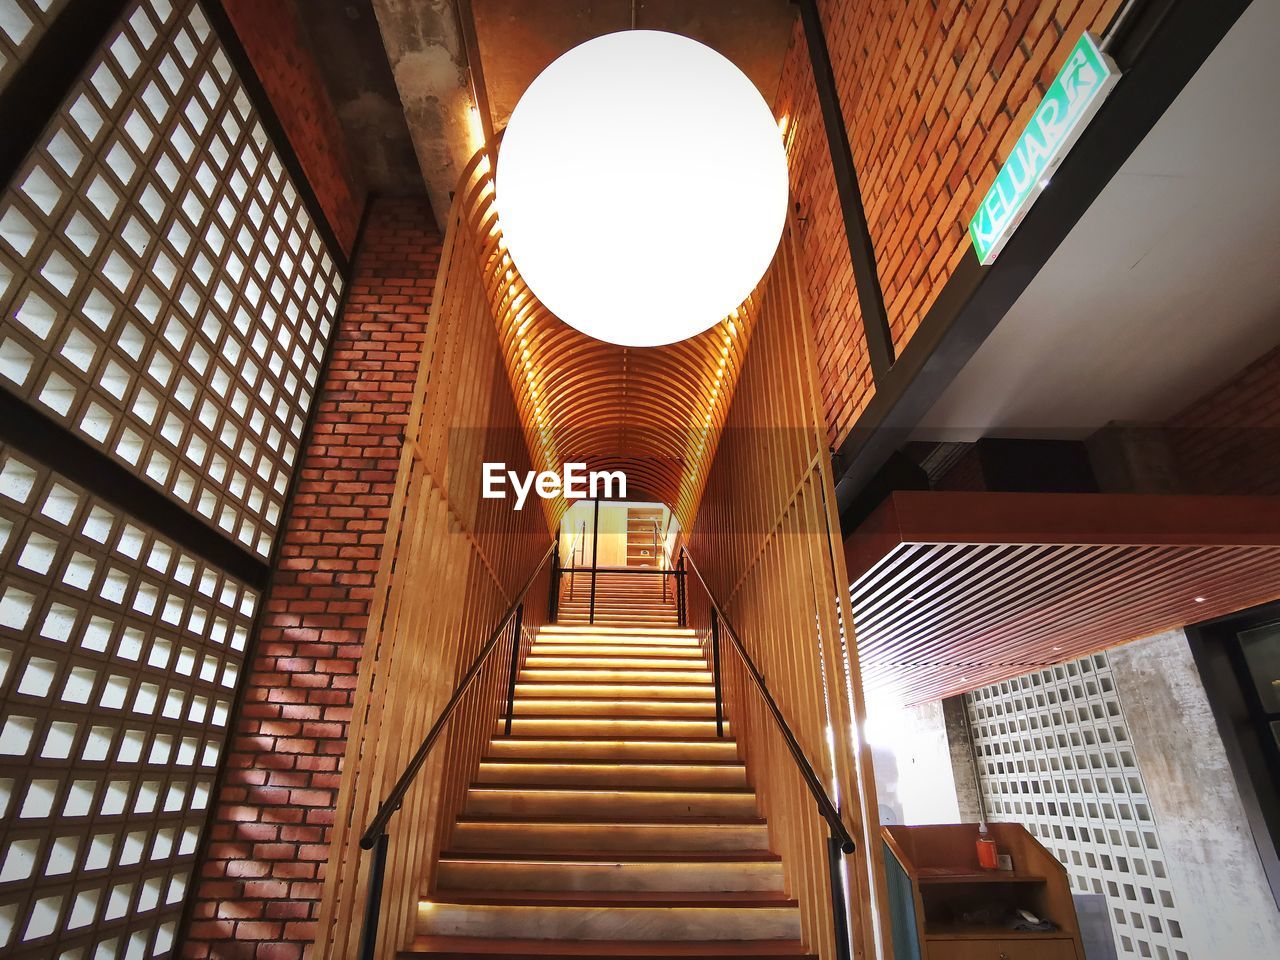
(167, 298)
(1115, 764)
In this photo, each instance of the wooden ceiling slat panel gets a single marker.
(953, 591)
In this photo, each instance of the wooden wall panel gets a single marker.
(767, 540)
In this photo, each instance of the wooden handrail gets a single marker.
(378, 825)
(825, 805)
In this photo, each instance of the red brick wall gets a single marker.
(844, 366)
(260, 885)
(934, 94)
(272, 35)
(1228, 442)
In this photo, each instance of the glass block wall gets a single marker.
(166, 297)
(22, 24)
(1054, 753)
(119, 655)
(164, 292)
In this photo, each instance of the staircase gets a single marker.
(622, 600)
(613, 822)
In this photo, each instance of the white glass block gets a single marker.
(83, 909)
(19, 860)
(131, 746)
(17, 231)
(118, 902)
(15, 361)
(62, 856)
(79, 685)
(148, 796)
(149, 897)
(44, 918)
(100, 849)
(38, 553)
(59, 740)
(16, 734)
(37, 803)
(116, 798)
(97, 745)
(131, 850)
(132, 640)
(41, 190)
(58, 623)
(60, 504)
(36, 315)
(58, 394)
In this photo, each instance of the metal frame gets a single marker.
(875, 319)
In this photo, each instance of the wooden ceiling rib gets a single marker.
(654, 412)
(954, 591)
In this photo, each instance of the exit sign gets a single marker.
(1068, 105)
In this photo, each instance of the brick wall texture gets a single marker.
(1229, 441)
(274, 39)
(259, 888)
(934, 94)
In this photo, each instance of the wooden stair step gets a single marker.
(613, 674)
(613, 856)
(526, 690)
(610, 917)
(614, 749)
(626, 660)
(608, 874)
(574, 707)
(629, 803)
(641, 899)
(507, 835)
(465, 948)
(587, 727)
(613, 774)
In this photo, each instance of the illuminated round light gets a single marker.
(642, 187)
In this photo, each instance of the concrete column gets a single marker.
(1213, 864)
(960, 749)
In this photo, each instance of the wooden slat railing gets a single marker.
(767, 540)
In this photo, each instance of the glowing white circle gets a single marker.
(642, 187)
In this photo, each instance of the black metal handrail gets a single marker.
(375, 835)
(840, 842)
(825, 804)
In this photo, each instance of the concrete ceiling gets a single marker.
(347, 44)
(517, 39)
(1165, 288)
(520, 38)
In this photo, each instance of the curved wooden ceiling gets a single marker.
(654, 412)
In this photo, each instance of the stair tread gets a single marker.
(622, 762)
(617, 899)
(650, 821)
(546, 788)
(457, 948)
(614, 856)
(648, 739)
